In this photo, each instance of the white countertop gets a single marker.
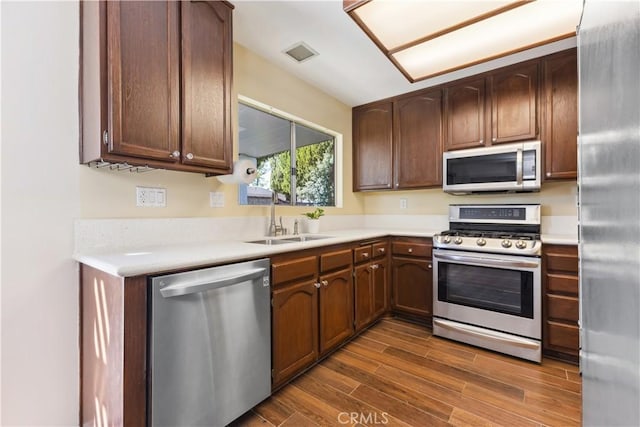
(559, 239)
(127, 262)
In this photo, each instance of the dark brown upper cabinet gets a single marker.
(156, 84)
(560, 115)
(497, 108)
(514, 103)
(398, 144)
(465, 117)
(417, 140)
(373, 147)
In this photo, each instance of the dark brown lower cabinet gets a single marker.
(412, 278)
(312, 308)
(560, 302)
(336, 309)
(371, 283)
(294, 329)
(113, 333)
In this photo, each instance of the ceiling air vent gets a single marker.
(301, 52)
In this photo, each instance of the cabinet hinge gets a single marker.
(273, 373)
(105, 137)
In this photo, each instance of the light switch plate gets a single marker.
(151, 197)
(216, 199)
(403, 203)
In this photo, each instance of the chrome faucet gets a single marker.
(275, 229)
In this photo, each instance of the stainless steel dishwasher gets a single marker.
(210, 344)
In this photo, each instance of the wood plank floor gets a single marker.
(398, 374)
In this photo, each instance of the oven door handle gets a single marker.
(489, 262)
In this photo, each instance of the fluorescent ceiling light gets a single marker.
(425, 38)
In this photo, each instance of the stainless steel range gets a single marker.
(487, 278)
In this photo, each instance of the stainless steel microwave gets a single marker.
(499, 168)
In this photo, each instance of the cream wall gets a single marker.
(109, 194)
(556, 198)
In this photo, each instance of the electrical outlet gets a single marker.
(151, 197)
(403, 203)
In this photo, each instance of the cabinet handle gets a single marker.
(175, 154)
(325, 283)
(365, 255)
(374, 267)
(189, 156)
(410, 250)
(317, 285)
(381, 250)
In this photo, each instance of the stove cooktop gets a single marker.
(489, 241)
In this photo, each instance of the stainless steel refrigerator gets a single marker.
(609, 211)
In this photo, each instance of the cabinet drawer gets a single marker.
(561, 258)
(411, 249)
(335, 260)
(562, 308)
(286, 271)
(561, 283)
(563, 336)
(362, 254)
(380, 249)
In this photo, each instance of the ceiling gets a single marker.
(349, 66)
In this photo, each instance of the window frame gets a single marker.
(293, 120)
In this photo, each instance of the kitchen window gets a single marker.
(295, 159)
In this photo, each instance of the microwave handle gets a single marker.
(519, 166)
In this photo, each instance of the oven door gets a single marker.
(499, 292)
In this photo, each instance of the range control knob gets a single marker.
(521, 244)
(506, 243)
(457, 240)
(446, 239)
(481, 242)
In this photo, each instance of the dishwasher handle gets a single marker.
(193, 287)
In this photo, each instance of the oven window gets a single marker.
(495, 289)
(486, 168)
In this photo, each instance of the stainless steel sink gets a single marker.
(271, 241)
(306, 238)
(291, 239)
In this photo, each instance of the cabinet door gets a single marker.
(464, 115)
(514, 104)
(380, 288)
(372, 147)
(336, 309)
(143, 83)
(560, 121)
(363, 295)
(294, 329)
(418, 140)
(412, 281)
(206, 84)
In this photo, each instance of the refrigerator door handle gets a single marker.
(192, 287)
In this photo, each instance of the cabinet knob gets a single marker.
(410, 250)
(374, 267)
(494, 139)
(317, 285)
(381, 250)
(175, 154)
(481, 142)
(548, 174)
(365, 255)
(325, 283)
(430, 266)
(189, 156)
